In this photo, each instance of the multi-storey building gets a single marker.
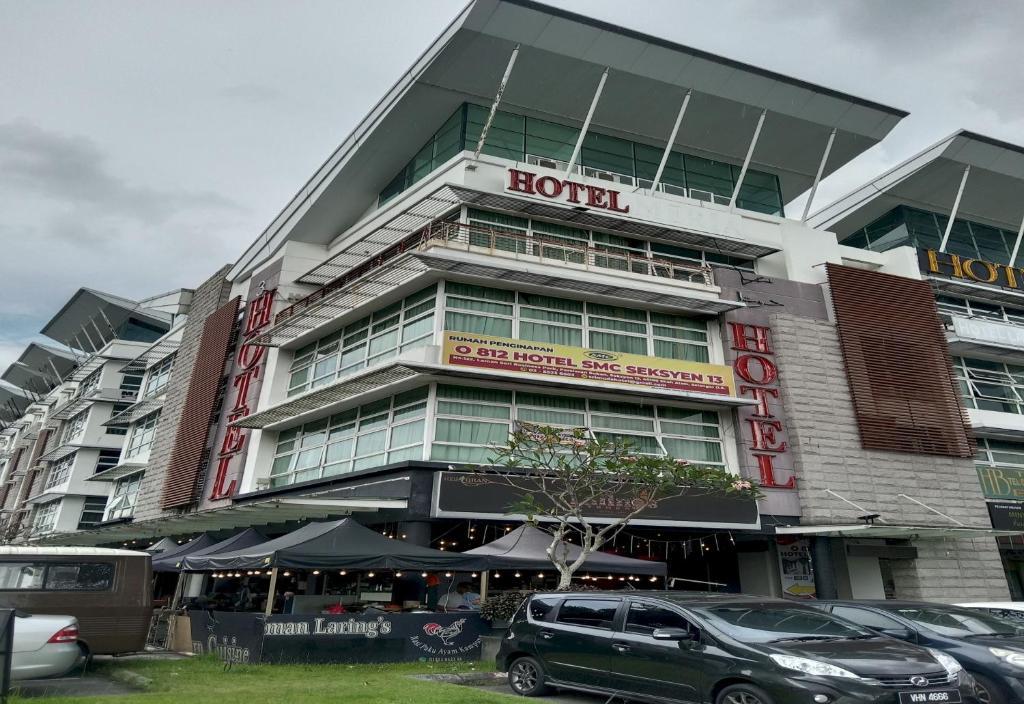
(554, 220)
(956, 206)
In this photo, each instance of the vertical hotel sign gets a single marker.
(248, 367)
(759, 379)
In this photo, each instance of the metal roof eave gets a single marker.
(905, 532)
(430, 90)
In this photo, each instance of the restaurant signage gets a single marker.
(759, 380)
(979, 271)
(477, 495)
(1001, 482)
(248, 368)
(1007, 516)
(571, 192)
(338, 638)
(542, 359)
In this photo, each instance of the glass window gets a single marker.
(60, 472)
(74, 426)
(644, 618)
(372, 435)
(21, 575)
(399, 327)
(594, 613)
(121, 503)
(863, 617)
(958, 622)
(92, 511)
(990, 386)
(547, 139)
(79, 577)
(158, 376)
(711, 177)
(45, 517)
(107, 459)
(117, 428)
(143, 432)
(541, 606)
(769, 624)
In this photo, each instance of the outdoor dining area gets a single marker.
(337, 591)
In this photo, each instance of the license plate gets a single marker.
(948, 696)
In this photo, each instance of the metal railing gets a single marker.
(627, 180)
(547, 248)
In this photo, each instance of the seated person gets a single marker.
(462, 599)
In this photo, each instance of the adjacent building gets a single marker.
(553, 220)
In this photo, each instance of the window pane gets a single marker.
(595, 613)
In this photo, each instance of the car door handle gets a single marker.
(546, 634)
(621, 647)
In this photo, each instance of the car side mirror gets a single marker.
(686, 638)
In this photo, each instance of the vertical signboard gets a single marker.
(795, 571)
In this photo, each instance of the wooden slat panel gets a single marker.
(186, 463)
(898, 365)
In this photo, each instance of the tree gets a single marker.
(563, 476)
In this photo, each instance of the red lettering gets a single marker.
(549, 187)
(766, 465)
(521, 181)
(574, 192)
(250, 355)
(595, 196)
(754, 334)
(613, 203)
(762, 432)
(234, 438)
(219, 491)
(259, 313)
(761, 395)
(242, 382)
(765, 369)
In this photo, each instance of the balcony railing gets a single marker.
(549, 249)
(627, 180)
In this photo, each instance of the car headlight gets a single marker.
(1011, 657)
(948, 662)
(813, 667)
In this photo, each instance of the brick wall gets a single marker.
(828, 455)
(208, 297)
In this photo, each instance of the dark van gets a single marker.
(108, 591)
(717, 649)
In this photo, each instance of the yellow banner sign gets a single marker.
(542, 359)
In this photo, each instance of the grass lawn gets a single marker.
(205, 681)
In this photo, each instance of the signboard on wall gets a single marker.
(525, 357)
(977, 271)
(477, 495)
(1006, 515)
(795, 573)
(988, 331)
(1001, 482)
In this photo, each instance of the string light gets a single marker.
(423, 574)
(316, 571)
(343, 572)
(370, 574)
(653, 579)
(497, 574)
(540, 575)
(517, 575)
(398, 574)
(473, 575)
(447, 574)
(287, 574)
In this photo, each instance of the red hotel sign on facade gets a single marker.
(572, 192)
(758, 378)
(248, 365)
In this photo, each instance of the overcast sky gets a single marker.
(142, 145)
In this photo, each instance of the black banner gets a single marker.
(348, 638)
(1007, 516)
(468, 494)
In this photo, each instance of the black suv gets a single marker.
(990, 647)
(716, 649)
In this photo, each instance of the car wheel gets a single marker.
(986, 690)
(743, 694)
(526, 677)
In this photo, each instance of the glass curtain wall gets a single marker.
(516, 137)
(990, 386)
(906, 226)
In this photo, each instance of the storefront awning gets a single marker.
(902, 532)
(257, 513)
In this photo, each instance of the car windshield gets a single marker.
(770, 624)
(959, 623)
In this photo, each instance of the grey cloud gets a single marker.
(73, 170)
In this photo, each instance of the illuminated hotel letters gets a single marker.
(755, 366)
(569, 191)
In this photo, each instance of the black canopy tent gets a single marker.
(162, 546)
(239, 541)
(341, 544)
(167, 561)
(526, 548)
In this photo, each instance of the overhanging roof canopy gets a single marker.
(883, 530)
(562, 56)
(13, 403)
(162, 546)
(241, 515)
(40, 368)
(526, 546)
(93, 317)
(340, 544)
(994, 193)
(238, 541)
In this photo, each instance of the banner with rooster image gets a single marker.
(336, 638)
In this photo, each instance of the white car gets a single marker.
(44, 646)
(1011, 610)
